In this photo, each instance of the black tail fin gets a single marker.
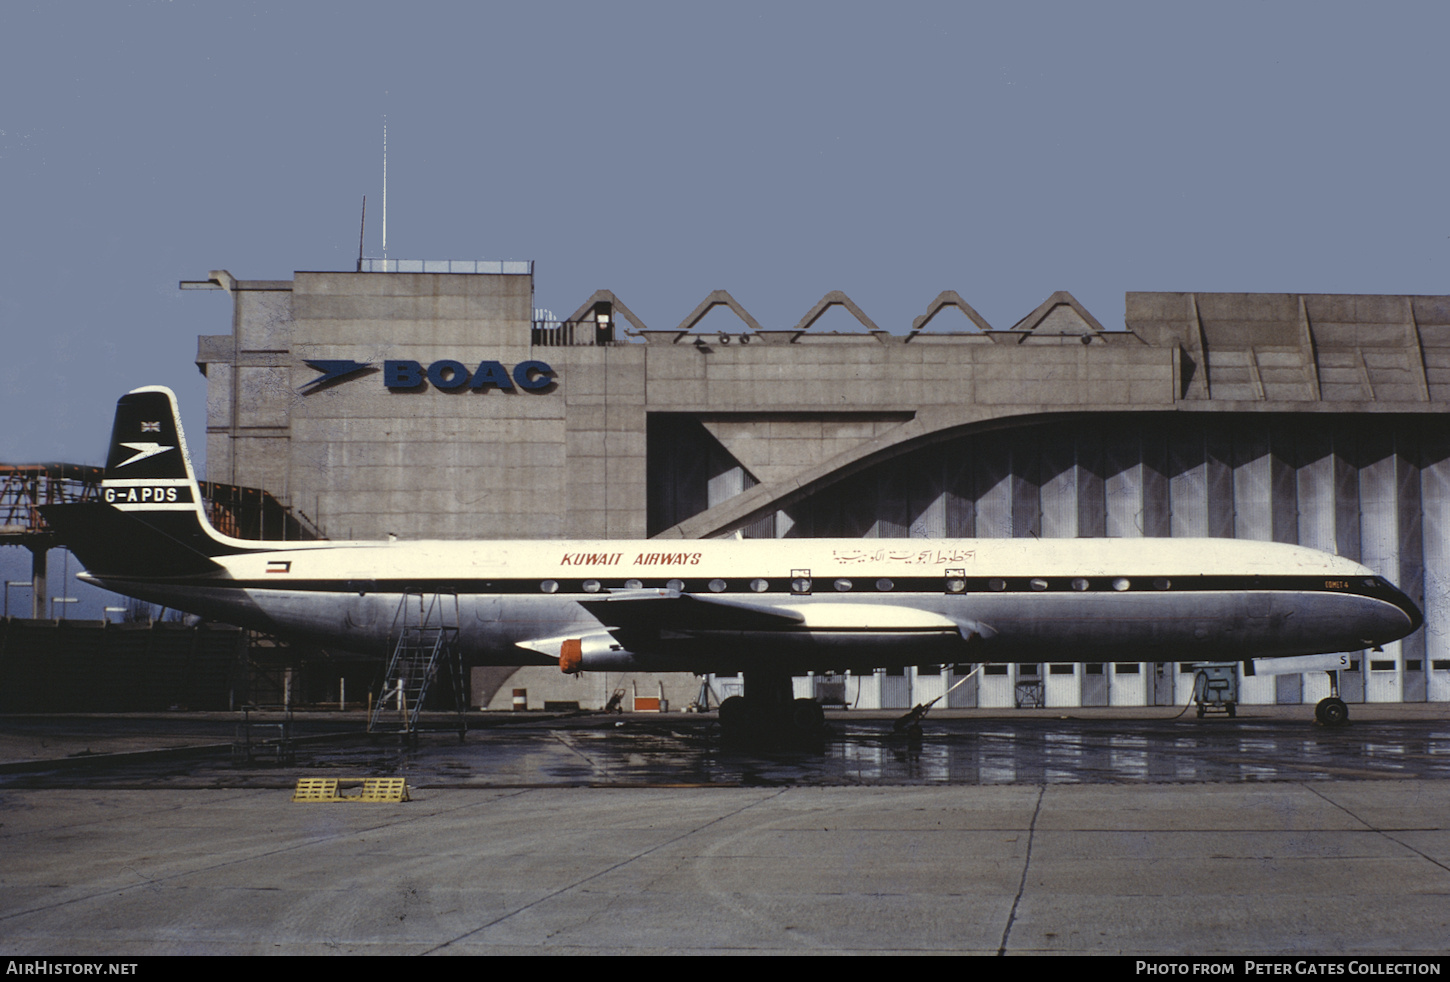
(155, 524)
(148, 454)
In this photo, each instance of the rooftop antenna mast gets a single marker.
(385, 186)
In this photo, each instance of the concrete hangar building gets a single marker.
(431, 400)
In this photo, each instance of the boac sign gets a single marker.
(531, 376)
(405, 375)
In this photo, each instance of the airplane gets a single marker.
(765, 608)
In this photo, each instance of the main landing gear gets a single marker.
(768, 711)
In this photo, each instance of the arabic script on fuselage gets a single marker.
(915, 557)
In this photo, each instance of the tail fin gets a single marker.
(148, 468)
(155, 525)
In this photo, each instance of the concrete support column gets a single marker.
(39, 586)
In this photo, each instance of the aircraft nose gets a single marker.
(1406, 617)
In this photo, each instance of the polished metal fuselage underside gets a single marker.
(1182, 625)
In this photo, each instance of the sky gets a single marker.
(664, 150)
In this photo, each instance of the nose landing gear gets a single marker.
(1332, 711)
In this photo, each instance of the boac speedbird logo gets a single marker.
(143, 450)
(445, 374)
(334, 370)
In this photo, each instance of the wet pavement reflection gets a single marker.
(597, 750)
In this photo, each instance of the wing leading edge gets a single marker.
(669, 626)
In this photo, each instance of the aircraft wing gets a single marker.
(668, 610)
(639, 618)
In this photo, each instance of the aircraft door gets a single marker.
(487, 609)
(361, 606)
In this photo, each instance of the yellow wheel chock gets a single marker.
(351, 789)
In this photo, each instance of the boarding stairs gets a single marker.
(425, 643)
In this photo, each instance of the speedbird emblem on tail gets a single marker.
(143, 450)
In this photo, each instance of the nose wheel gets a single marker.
(1331, 712)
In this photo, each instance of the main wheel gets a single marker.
(807, 717)
(735, 715)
